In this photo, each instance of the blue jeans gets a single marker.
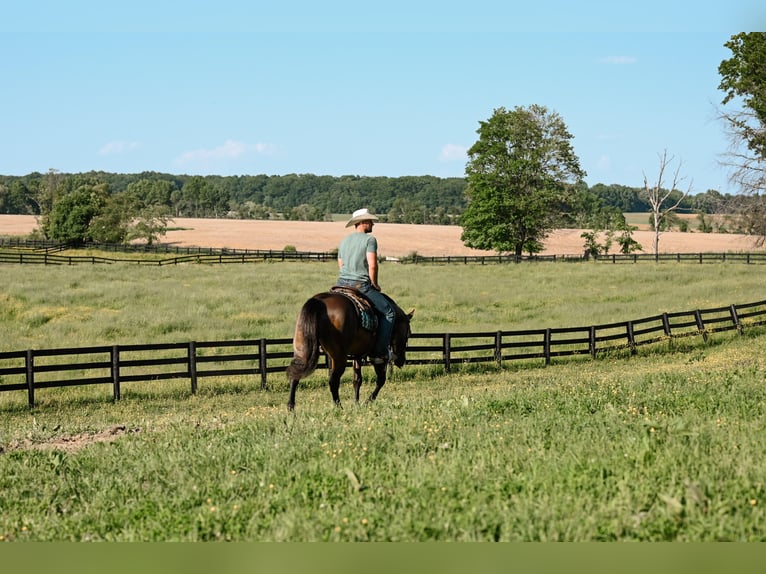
(384, 307)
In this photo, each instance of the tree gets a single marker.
(110, 223)
(406, 210)
(149, 224)
(14, 198)
(305, 212)
(518, 174)
(47, 193)
(71, 216)
(625, 239)
(743, 78)
(663, 201)
(150, 192)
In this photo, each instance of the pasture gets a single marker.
(666, 445)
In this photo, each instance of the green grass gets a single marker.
(43, 307)
(663, 446)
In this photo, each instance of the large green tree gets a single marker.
(71, 217)
(518, 175)
(743, 80)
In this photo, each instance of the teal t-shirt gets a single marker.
(353, 252)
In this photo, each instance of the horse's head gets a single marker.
(400, 336)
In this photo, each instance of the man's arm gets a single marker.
(372, 264)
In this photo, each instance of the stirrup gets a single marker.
(383, 360)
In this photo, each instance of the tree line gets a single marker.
(407, 199)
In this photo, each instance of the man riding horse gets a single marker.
(358, 264)
(339, 321)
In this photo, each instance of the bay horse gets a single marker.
(333, 321)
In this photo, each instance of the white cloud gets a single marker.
(619, 60)
(118, 148)
(231, 149)
(604, 163)
(452, 152)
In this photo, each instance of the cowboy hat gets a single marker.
(361, 215)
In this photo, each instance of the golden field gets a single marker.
(394, 239)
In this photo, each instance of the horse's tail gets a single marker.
(306, 341)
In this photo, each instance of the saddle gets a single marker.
(368, 316)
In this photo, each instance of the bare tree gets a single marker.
(747, 171)
(747, 168)
(659, 197)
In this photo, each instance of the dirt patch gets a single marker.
(394, 239)
(71, 443)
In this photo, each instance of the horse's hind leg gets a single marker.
(291, 400)
(357, 378)
(380, 380)
(336, 371)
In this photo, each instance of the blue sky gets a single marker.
(376, 89)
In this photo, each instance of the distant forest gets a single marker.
(406, 199)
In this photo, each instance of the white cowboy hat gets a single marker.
(361, 215)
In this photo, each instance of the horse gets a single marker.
(332, 320)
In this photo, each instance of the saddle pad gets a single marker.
(368, 317)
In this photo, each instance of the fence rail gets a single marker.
(115, 365)
(46, 258)
(749, 258)
(41, 252)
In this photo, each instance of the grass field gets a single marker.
(60, 306)
(663, 446)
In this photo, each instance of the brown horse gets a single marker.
(332, 321)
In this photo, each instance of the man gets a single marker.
(358, 263)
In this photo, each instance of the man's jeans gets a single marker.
(387, 314)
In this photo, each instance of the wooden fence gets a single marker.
(749, 258)
(40, 252)
(211, 257)
(116, 365)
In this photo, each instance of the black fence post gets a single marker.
(262, 362)
(592, 341)
(192, 359)
(700, 325)
(735, 318)
(446, 352)
(547, 346)
(116, 372)
(631, 337)
(499, 348)
(666, 324)
(30, 365)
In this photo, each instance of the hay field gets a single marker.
(395, 240)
